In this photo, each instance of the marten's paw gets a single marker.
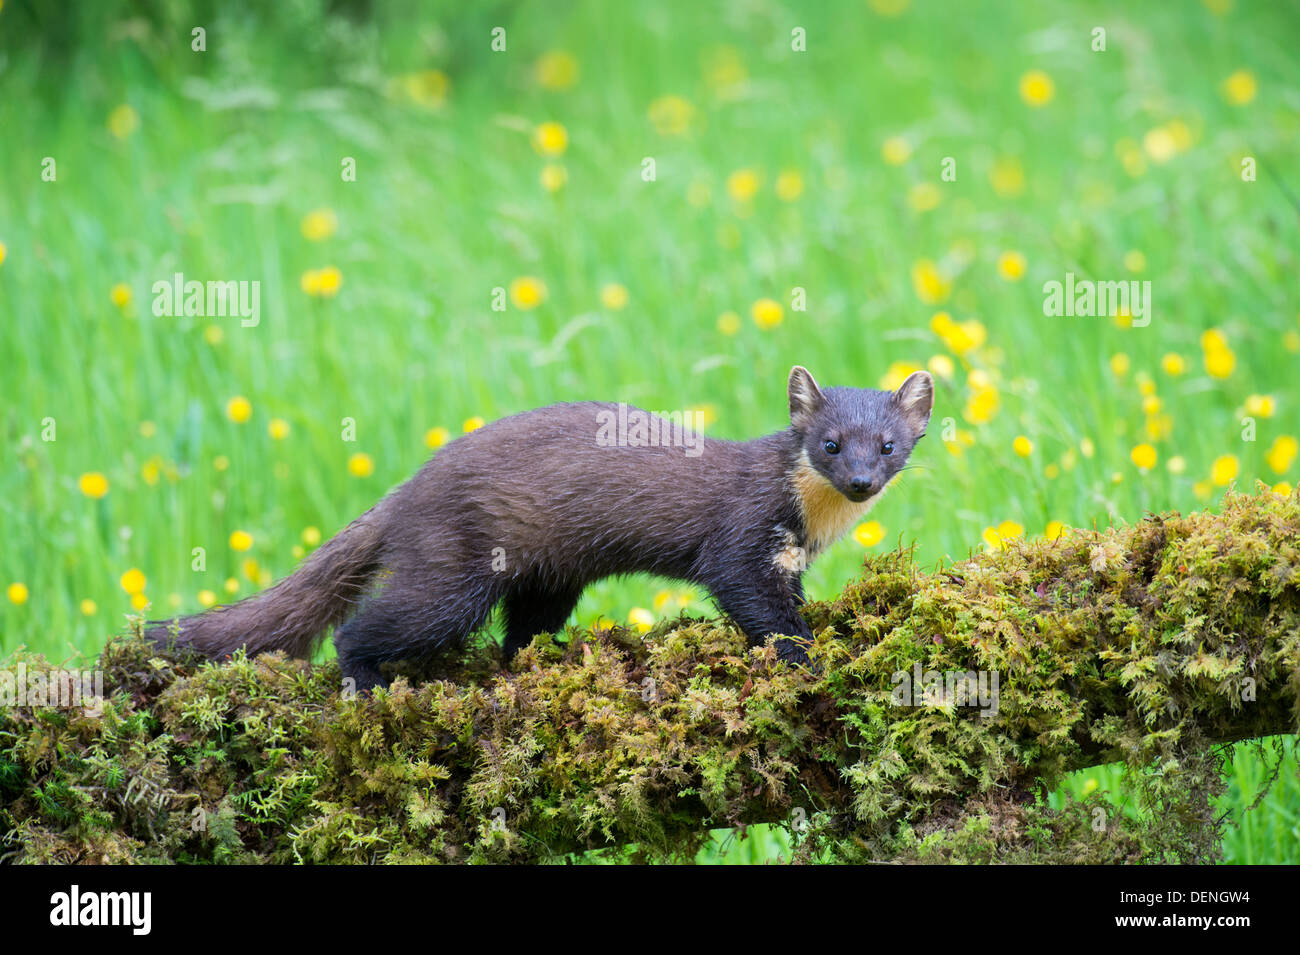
(796, 655)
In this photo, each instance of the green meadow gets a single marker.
(454, 212)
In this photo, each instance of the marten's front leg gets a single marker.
(764, 601)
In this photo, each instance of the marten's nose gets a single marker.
(860, 485)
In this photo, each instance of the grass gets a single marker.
(1132, 170)
(1267, 834)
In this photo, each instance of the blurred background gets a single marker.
(458, 211)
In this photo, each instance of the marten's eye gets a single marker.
(888, 448)
(832, 447)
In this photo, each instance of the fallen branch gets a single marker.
(1148, 644)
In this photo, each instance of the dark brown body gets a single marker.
(528, 511)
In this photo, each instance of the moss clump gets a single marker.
(1151, 645)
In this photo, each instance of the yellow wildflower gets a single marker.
(789, 185)
(239, 409)
(869, 534)
(997, 538)
(767, 313)
(319, 224)
(93, 484)
(1011, 266)
(151, 470)
(614, 296)
(123, 121)
(896, 151)
(1224, 470)
(742, 185)
(133, 581)
(550, 139)
(1219, 358)
(426, 88)
(982, 405)
(931, 286)
(556, 70)
(941, 366)
(1159, 144)
(328, 281)
(1261, 406)
(924, 196)
(554, 177)
(896, 374)
(1036, 88)
(361, 465)
(1007, 177)
(1282, 453)
(671, 116)
(1240, 88)
(1144, 456)
(527, 292)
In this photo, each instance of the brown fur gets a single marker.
(827, 514)
(294, 615)
(528, 510)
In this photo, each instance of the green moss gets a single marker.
(1149, 645)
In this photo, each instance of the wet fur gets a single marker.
(827, 514)
(528, 510)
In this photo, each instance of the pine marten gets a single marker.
(531, 509)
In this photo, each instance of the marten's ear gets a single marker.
(915, 398)
(806, 399)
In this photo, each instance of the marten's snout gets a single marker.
(859, 488)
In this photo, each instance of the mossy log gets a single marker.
(1149, 644)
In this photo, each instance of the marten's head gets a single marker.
(856, 439)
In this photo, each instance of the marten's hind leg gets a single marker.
(406, 623)
(532, 609)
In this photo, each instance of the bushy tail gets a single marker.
(292, 615)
